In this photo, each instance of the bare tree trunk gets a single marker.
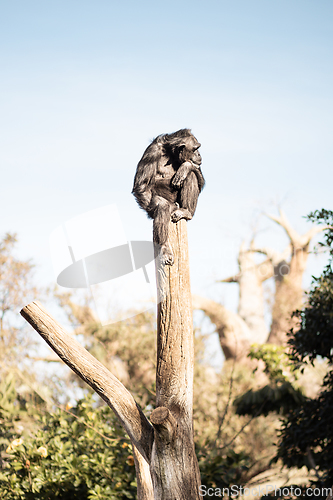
(238, 331)
(251, 299)
(174, 466)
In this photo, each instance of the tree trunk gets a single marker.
(251, 298)
(174, 466)
(288, 295)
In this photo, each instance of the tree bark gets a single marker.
(174, 466)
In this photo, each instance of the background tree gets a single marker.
(16, 277)
(306, 431)
(307, 435)
(238, 331)
(288, 276)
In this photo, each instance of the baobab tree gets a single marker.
(238, 331)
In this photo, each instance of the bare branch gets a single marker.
(307, 237)
(234, 334)
(265, 270)
(274, 256)
(283, 222)
(94, 374)
(143, 477)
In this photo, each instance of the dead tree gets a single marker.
(288, 275)
(163, 448)
(238, 331)
(251, 299)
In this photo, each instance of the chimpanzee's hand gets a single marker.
(181, 174)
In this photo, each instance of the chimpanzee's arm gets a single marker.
(182, 173)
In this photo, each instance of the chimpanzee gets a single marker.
(167, 183)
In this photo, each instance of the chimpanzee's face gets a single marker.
(193, 151)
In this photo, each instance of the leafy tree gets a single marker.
(306, 435)
(281, 394)
(307, 432)
(15, 289)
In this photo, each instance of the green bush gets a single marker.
(79, 453)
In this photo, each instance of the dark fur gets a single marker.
(167, 183)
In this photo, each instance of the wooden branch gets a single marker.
(94, 374)
(273, 255)
(283, 222)
(297, 240)
(307, 237)
(143, 477)
(234, 334)
(231, 279)
(265, 270)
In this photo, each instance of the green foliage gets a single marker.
(10, 412)
(307, 432)
(277, 362)
(314, 338)
(280, 395)
(279, 398)
(222, 468)
(82, 453)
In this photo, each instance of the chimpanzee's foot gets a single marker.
(181, 213)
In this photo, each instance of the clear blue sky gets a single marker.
(85, 85)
